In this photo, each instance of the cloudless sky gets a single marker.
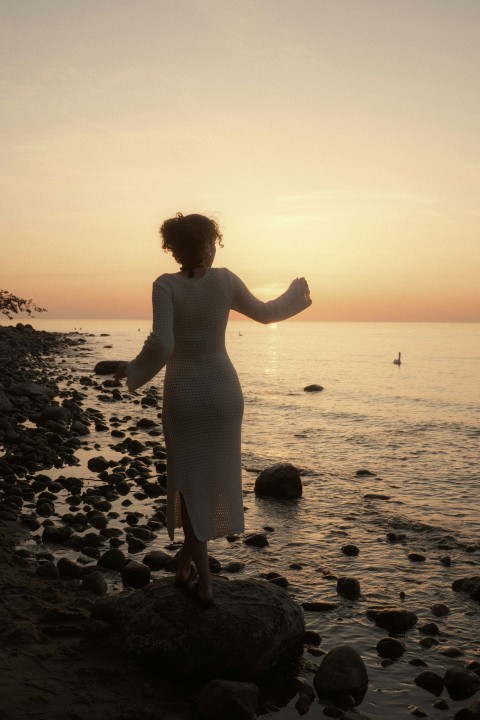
(333, 139)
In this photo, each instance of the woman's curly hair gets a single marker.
(187, 237)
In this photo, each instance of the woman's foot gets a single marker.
(186, 571)
(202, 596)
(183, 580)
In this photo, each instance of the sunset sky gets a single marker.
(333, 139)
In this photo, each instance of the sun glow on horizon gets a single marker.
(332, 141)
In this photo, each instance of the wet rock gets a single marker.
(350, 550)
(220, 699)
(416, 557)
(394, 537)
(234, 566)
(280, 481)
(365, 473)
(135, 545)
(446, 560)
(319, 606)
(313, 388)
(430, 681)
(54, 534)
(416, 711)
(470, 585)
(430, 628)
(69, 569)
(157, 559)
(341, 672)
(348, 587)
(306, 696)
(97, 464)
(95, 583)
(112, 559)
(461, 684)
(79, 428)
(390, 648)
(135, 574)
(256, 540)
(251, 626)
(472, 712)
(107, 367)
(395, 620)
(450, 651)
(440, 610)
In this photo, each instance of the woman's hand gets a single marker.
(121, 372)
(299, 287)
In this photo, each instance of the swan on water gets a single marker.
(398, 361)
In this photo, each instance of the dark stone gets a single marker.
(396, 621)
(390, 648)
(107, 367)
(135, 574)
(350, 550)
(280, 481)
(430, 681)
(319, 606)
(416, 557)
(313, 388)
(112, 559)
(256, 540)
(430, 628)
(97, 464)
(95, 583)
(221, 699)
(157, 559)
(348, 587)
(341, 672)
(69, 569)
(461, 684)
(440, 610)
(470, 585)
(251, 626)
(365, 473)
(55, 534)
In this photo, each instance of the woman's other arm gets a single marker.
(290, 303)
(158, 346)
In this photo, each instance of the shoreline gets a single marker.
(28, 600)
(46, 670)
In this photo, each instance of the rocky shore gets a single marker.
(91, 625)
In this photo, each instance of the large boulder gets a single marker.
(281, 481)
(252, 626)
(342, 672)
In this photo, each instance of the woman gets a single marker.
(202, 400)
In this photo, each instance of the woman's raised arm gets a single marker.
(290, 303)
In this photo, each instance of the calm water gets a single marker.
(417, 427)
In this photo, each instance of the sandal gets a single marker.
(193, 590)
(185, 583)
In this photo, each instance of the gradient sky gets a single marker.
(334, 139)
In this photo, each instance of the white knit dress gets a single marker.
(202, 399)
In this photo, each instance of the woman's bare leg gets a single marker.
(198, 552)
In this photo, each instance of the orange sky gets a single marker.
(335, 139)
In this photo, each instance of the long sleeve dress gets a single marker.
(202, 398)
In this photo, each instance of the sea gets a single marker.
(415, 427)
